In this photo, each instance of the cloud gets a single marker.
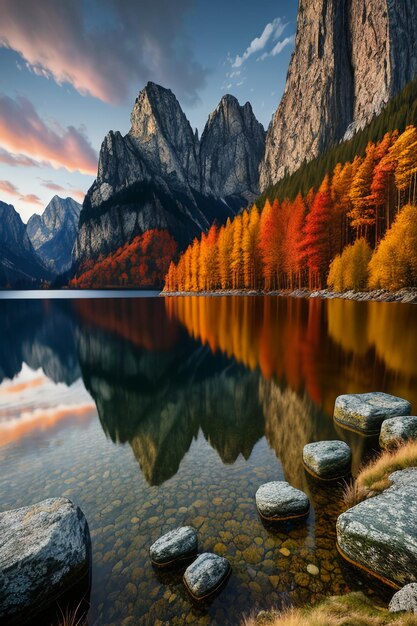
(17, 160)
(77, 194)
(7, 187)
(272, 30)
(279, 47)
(23, 131)
(129, 43)
(31, 198)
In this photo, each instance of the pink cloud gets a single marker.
(23, 131)
(7, 187)
(78, 194)
(16, 160)
(31, 198)
(135, 40)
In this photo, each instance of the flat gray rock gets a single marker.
(177, 545)
(327, 459)
(44, 550)
(397, 430)
(206, 575)
(404, 600)
(380, 534)
(278, 501)
(365, 412)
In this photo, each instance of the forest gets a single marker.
(357, 230)
(144, 261)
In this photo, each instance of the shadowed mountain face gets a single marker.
(158, 400)
(53, 233)
(19, 265)
(161, 176)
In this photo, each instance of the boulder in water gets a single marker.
(44, 550)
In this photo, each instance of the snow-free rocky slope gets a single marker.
(19, 265)
(160, 175)
(53, 233)
(350, 58)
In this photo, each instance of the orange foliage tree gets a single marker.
(291, 244)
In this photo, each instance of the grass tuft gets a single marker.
(374, 477)
(353, 609)
(73, 617)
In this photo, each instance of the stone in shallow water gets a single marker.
(404, 600)
(365, 412)
(327, 459)
(206, 575)
(176, 545)
(44, 550)
(397, 430)
(278, 501)
(380, 534)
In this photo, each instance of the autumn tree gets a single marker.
(236, 263)
(251, 252)
(394, 262)
(316, 242)
(350, 269)
(362, 215)
(225, 247)
(269, 243)
(293, 253)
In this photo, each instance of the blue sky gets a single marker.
(70, 71)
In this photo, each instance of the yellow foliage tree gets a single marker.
(394, 262)
(350, 269)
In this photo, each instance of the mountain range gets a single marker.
(351, 57)
(41, 249)
(160, 175)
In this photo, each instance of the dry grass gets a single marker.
(354, 493)
(354, 609)
(374, 477)
(73, 617)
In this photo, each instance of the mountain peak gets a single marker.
(231, 148)
(53, 233)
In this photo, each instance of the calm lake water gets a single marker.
(150, 413)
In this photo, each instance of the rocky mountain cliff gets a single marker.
(232, 146)
(53, 233)
(160, 175)
(350, 58)
(19, 265)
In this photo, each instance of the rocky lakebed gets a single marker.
(257, 540)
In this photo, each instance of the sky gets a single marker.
(70, 71)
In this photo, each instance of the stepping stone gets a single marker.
(45, 549)
(177, 545)
(404, 600)
(327, 460)
(278, 501)
(206, 575)
(365, 412)
(379, 535)
(398, 430)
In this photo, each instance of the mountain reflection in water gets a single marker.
(161, 369)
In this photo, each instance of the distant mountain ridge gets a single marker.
(160, 176)
(19, 264)
(53, 233)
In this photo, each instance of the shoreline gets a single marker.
(406, 296)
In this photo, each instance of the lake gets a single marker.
(155, 412)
